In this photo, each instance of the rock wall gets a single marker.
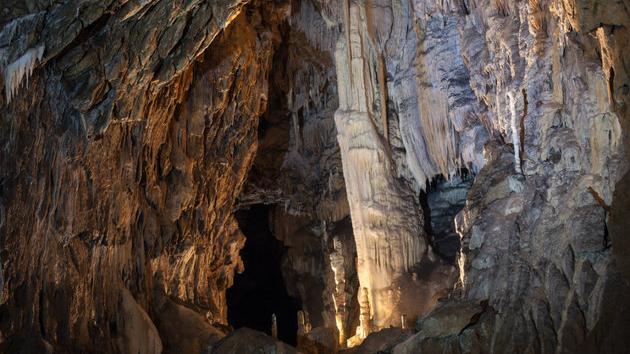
(529, 96)
(122, 157)
(128, 129)
(548, 83)
(569, 145)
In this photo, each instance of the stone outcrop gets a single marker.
(382, 341)
(321, 340)
(246, 340)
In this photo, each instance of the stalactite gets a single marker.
(516, 137)
(20, 70)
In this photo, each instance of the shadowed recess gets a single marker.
(260, 291)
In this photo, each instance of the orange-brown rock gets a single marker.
(122, 158)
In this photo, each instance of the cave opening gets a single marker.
(441, 202)
(260, 290)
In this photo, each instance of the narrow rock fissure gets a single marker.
(259, 291)
(440, 203)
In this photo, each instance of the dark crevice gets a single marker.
(611, 84)
(607, 242)
(426, 210)
(440, 203)
(42, 322)
(260, 290)
(86, 35)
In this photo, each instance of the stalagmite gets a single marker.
(364, 317)
(364, 328)
(274, 326)
(304, 324)
(337, 261)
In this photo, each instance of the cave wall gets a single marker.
(122, 157)
(128, 130)
(544, 132)
(298, 170)
(555, 215)
(529, 96)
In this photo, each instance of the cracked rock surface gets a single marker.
(122, 157)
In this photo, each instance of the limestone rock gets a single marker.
(139, 334)
(381, 341)
(448, 318)
(320, 340)
(134, 142)
(183, 329)
(247, 340)
(131, 131)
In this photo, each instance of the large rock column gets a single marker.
(387, 222)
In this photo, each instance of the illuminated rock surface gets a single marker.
(132, 132)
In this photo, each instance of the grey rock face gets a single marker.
(445, 199)
(247, 340)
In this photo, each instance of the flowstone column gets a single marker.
(387, 223)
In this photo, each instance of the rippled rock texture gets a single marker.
(131, 131)
(122, 158)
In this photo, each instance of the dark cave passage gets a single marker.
(260, 290)
(441, 202)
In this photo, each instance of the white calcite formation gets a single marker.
(20, 70)
(387, 222)
(529, 96)
(339, 263)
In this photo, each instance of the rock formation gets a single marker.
(473, 152)
(387, 222)
(122, 158)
